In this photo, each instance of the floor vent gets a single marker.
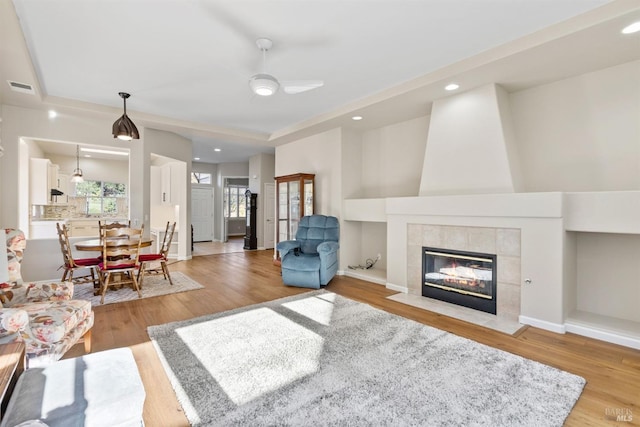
(21, 87)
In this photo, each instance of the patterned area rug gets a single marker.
(324, 360)
(153, 286)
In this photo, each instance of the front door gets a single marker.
(202, 214)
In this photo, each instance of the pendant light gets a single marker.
(123, 128)
(77, 173)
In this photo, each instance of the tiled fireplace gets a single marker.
(504, 243)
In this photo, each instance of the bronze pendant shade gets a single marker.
(123, 128)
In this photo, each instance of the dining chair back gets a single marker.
(161, 256)
(72, 264)
(120, 258)
(104, 225)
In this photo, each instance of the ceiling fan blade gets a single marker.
(299, 86)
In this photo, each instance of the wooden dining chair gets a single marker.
(120, 258)
(72, 264)
(161, 256)
(104, 225)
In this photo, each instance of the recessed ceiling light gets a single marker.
(97, 150)
(217, 149)
(630, 29)
(356, 118)
(196, 158)
(452, 86)
(87, 155)
(52, 114)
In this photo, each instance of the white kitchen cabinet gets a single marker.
(43, 230)
(165, 184)
(172, 181)
(43, 176)
(63, 185)
(83, 228)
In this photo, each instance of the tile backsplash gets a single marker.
(76, 208)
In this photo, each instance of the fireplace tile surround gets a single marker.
(504, 242)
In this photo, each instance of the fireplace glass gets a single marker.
(463, 278)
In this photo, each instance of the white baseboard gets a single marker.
(542, 324)
(602, 335)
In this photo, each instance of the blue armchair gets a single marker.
(311, 260)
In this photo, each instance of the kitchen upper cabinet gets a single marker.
(165, 184)
(64, 185)
(172, 182)
(43, 177)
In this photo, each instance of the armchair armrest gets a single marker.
(325, 248)
(286, 246)
(12, 320)
(49, 291)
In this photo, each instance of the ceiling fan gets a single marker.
(265, 84)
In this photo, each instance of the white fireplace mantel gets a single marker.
(548, 223)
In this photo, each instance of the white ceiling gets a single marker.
(187, 63)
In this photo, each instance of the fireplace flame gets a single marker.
(461, 275)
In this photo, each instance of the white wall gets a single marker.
(582, 133)
(392, 159)
(321, 155)
(466, 148)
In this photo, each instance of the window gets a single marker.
(102, 198)
(200, 178)
(234, 201)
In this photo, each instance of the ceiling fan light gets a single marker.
(264, 84)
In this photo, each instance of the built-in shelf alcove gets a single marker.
(604, 296)
(369, 259)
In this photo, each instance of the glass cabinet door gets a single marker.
(283, 211)
(294, 198)
(294, 208)
(308, 197)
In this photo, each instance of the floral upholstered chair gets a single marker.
(41, 314)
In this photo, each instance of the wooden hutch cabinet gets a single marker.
(295, 199)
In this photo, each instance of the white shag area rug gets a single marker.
(152, 286)
(321, 359)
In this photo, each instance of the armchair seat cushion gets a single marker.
(51, 321)
(302, 262)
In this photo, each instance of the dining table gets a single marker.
(96, 245)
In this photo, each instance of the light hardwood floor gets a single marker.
(238, 279)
